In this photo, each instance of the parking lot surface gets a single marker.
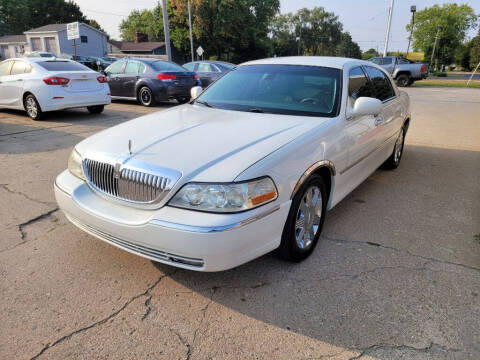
(396, 275)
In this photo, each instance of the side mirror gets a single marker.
(366, 106)
(195, 92)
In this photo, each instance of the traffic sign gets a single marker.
(200, 51)
(73, 31)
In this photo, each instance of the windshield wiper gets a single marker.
(205, 103)
(256, 110)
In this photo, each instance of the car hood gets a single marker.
(204, 144)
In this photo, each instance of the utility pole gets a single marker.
(413, 9)
(190, 26)
(387, 35)
(434, 47)
(166, 30)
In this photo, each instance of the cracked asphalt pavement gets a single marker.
(396, 275)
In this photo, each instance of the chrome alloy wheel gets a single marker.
(31, 107)
(308, 217)
(145, 96)
(397, 153)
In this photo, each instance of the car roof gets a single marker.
(211, 62)
(326, 61)
(39, 59)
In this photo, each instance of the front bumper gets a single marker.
(178, 237)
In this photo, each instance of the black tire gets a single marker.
(294, 247)
(394, 160)
(96, 109)
(403, 80)
(32, 107)
(182, 99)
(145, 96)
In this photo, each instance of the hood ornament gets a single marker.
(130, 146)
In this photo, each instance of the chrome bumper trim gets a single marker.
(147, 252)
(213, 229)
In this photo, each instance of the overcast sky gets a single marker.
(365, 19)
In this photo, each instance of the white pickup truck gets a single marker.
(403, 71)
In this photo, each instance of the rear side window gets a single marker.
(62, 66)
(5, 68)
(115, 68)
(203, 67)
(358, 85)
(383, 88)
(166, 66)
(132, 67)
(387, 61)
(18, 67)
(189, 66)
(375, 61)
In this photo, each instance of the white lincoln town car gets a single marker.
(250, 165)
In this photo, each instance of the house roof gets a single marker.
(57, 28)
(13, 39)
(141, 46)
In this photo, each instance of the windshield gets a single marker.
(278, 89)
(166, 66)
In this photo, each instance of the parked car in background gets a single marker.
(84, 60)
(43, 54)
(251, 165)
(38, 85)
(111, 60)
(150, 80)
(403, 71)
(209, 71)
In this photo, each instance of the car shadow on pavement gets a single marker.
(393, 274)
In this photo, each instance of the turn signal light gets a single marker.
(102, 79)
(55, 80)
(166, 77)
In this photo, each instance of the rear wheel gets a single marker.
(97, 109)
(403, 80)
(182, 99)
(145, 96)
(394, 160)
(305, 220)
(32, 107)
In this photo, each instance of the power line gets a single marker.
(105, 13)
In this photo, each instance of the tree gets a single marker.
(475, 51)
(311, 32)
(348, 48)
(451, 21)
(233, 30)
(369, 54)
(17, 16)
(149, 22)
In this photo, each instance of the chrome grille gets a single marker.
(127, 184)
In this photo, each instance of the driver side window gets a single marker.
(358, 85)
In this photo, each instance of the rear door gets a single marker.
(113, 73)
(130, 78)
(14, 82)
(5, 67)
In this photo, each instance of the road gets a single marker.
(396, 275)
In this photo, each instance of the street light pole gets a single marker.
(190, 26)
(413, 9)
(387, 35)
(166, 30)
(434, 47)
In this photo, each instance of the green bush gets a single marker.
(439, 74)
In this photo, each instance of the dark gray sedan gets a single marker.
(150, 80)
(209, 71)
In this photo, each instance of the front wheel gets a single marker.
(394, 160)
(145, 96)
(97, 109)
(32, 107)
(305, 220)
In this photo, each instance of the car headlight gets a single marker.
(75, 164)
(225, 197)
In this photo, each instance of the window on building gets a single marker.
(84, 39)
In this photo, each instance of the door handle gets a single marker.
(378, 120)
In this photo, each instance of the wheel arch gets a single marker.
(24, 97)
(402, 72)
(324, 168)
